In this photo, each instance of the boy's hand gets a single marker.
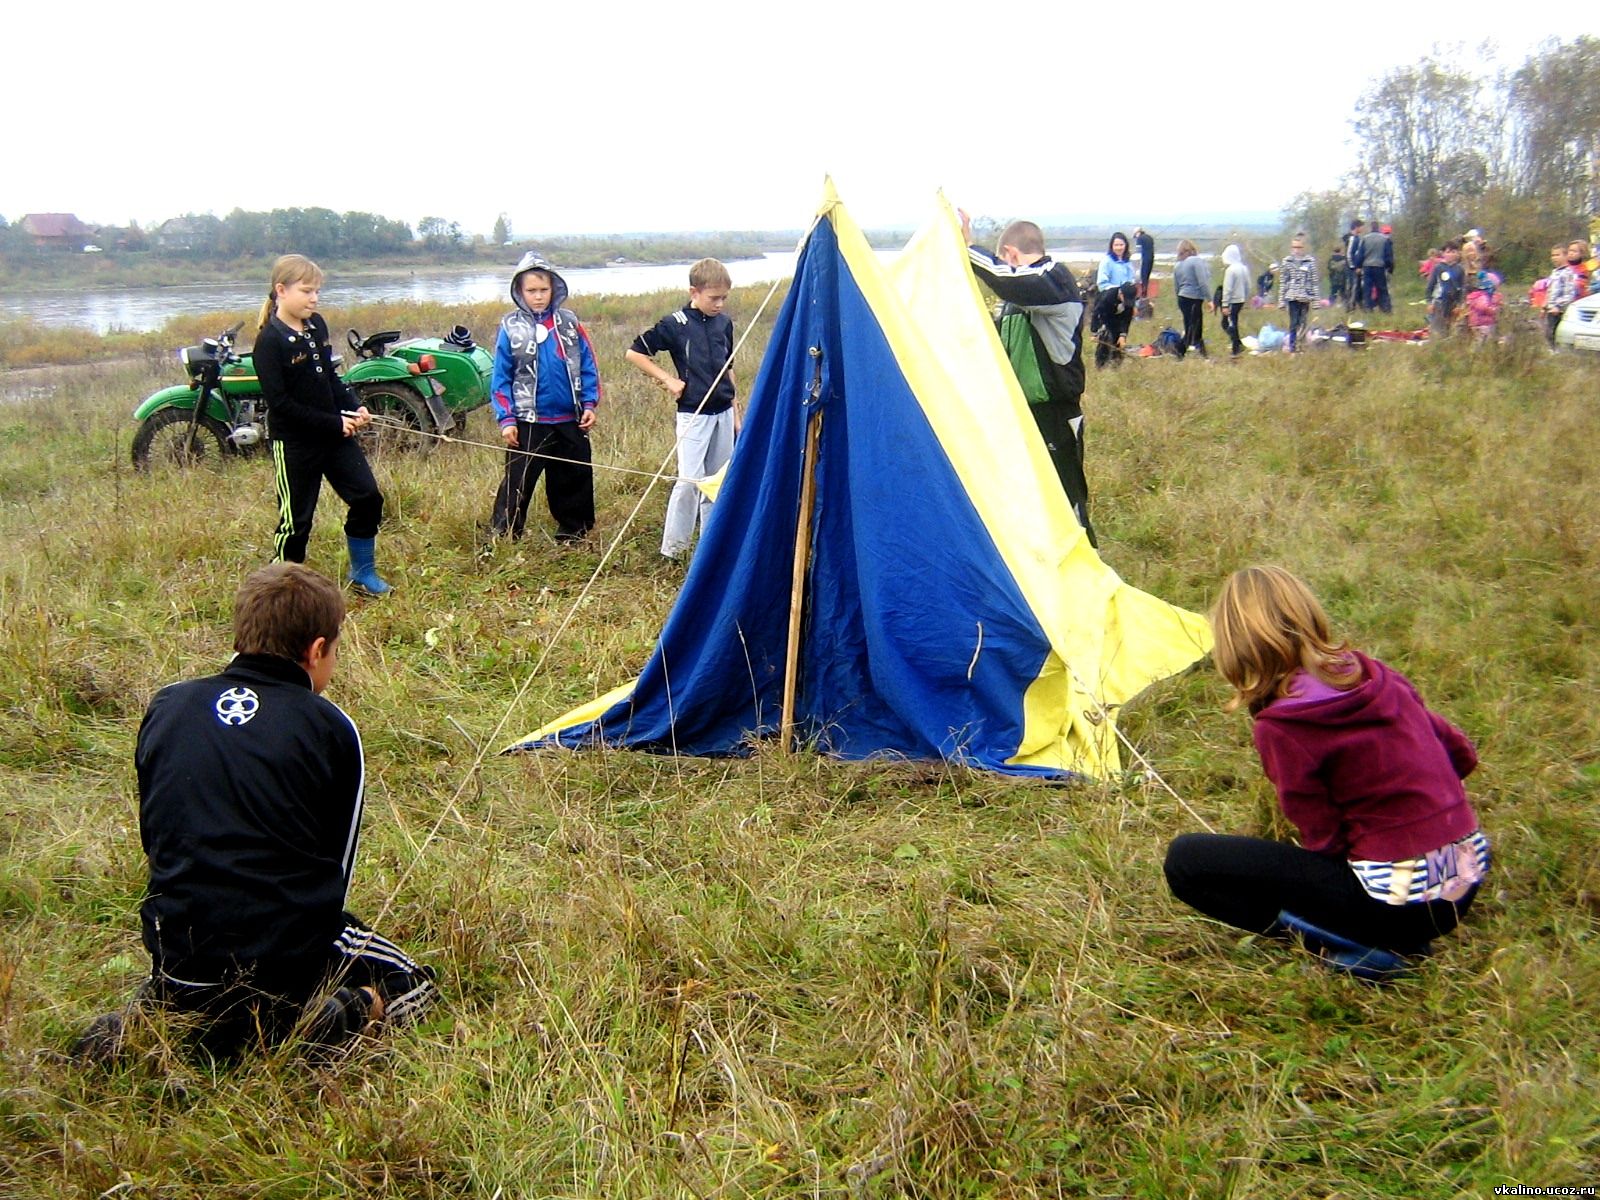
(509, 432)
(586, 421)
(966, 225)
(674, 387)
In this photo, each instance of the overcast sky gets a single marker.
(620, 116)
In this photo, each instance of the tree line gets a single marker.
(329, 236)
(1442, 147)
(317, 232)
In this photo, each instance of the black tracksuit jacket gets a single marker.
(250, 788)
(1046, 291)
(303, 391)
(700, 347)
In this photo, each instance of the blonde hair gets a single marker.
(1267, 626)
(1187, 249)
(709, 273)
(289, 268)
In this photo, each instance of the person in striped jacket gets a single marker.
(1297, 287)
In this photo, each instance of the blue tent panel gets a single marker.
(905, 587)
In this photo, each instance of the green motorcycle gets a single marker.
(413, 387)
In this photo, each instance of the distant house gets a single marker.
(179, 233)
(62, 231)
(192, 232)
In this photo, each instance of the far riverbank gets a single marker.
(141, 309)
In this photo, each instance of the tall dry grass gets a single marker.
(788, 977)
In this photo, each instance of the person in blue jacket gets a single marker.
(1116, 268)
(544, 390)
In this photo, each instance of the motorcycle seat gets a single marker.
(376, 344)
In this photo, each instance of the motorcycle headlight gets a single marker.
(196, 358)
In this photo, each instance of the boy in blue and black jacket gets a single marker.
(1039, 327)
(544, 390)
(699, 339)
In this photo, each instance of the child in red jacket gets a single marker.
(1391, 854)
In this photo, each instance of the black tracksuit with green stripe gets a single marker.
(304, 397)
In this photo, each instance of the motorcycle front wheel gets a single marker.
(163, 441)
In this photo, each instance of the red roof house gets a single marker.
(56, 229)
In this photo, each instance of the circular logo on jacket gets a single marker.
(237, 706)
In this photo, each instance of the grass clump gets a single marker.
(787, 977)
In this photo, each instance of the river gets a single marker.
(145, 308)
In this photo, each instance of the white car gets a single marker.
(1580, 324)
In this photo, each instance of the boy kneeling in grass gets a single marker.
(250, 798)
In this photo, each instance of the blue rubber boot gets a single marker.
(363, 566)
(1340, 953)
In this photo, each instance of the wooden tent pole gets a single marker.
(802, 562)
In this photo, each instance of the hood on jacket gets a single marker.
(1231, 257)
(1373, 699)
(534, 261)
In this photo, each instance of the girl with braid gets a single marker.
(314, 418)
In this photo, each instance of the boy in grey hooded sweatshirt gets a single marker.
(1235, 294)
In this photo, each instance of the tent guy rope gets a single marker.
(480, 751)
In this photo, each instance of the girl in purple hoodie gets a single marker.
(1390, 851)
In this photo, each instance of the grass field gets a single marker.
(790, 977)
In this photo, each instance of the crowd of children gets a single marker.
(251, 781)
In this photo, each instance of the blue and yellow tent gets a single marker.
(949, 605)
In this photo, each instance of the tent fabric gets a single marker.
(953, 608)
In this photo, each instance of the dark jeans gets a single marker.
(1194, 321)
(1375, 289)
(561, 453)
(1063, 438)
(1298, 311)
(1230, 326)
(1246, 882)
(300, 470)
